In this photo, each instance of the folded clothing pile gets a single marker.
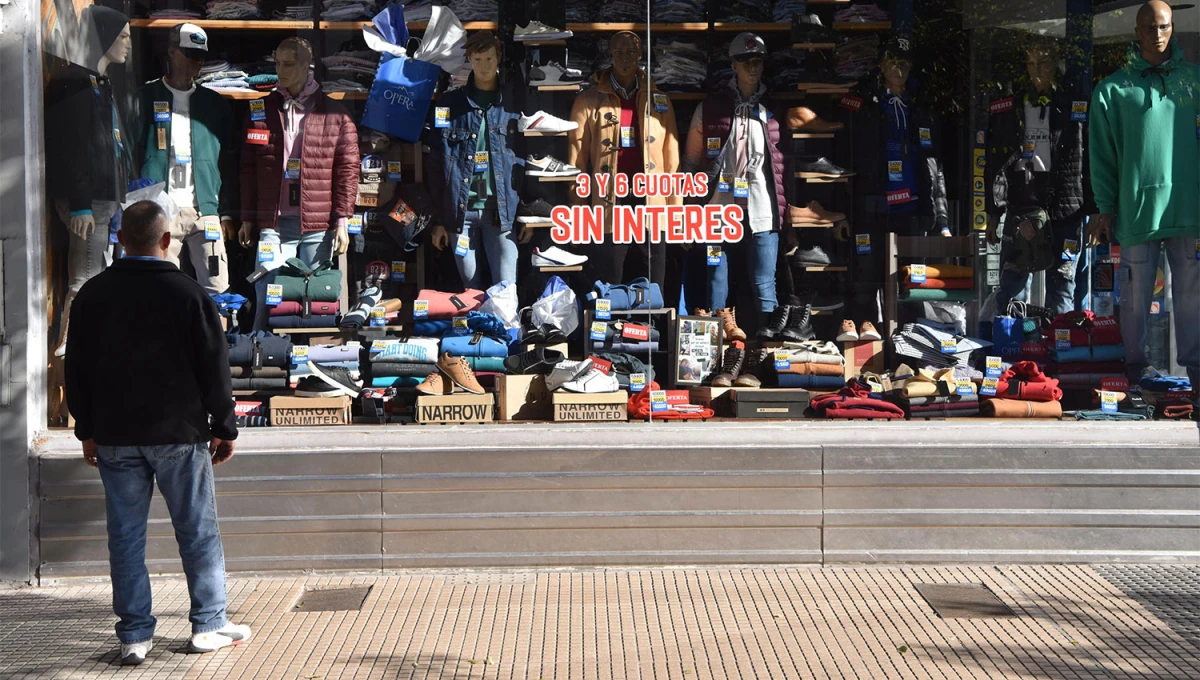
(483, 353)
(782, 10)
(745, 12)
(347, 10)
(856, 58)
(477, 322)
(639, 407)
(233, 9)
(263, 82)
(1171, 395)
(357, 66)
(1086, 350)
(1024, 391)
(347, 356)
(264, 378)
(856, 400)
(180, 14)
(402, 362)
(626, 336)
(625, 365)
(952, 406)
(259, 361)
(475, 10)
(309, 295)
(861, 13)
(251, 413)
(680, 10)
(929, 345)
(924, 383)
(294, 13)
(445, 306)
(812, 364)
(679, 65)
(940, 280)
(638, 294)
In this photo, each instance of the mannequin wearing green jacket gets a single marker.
(1145, 170)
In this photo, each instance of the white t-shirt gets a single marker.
(758, 205)
(1037, 134)
(180, 182)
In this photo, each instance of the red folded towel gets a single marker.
(1087, 329)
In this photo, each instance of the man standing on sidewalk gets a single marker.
(146, 368)
(1145, 167)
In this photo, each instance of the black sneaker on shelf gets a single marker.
(799, 326)
(814, 256)
(312, 386)
(775, 323)
(537, 210)
(337, 377)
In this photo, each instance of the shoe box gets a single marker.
(767, 403)
(719, 399)
(310, 411)
(456, 408)
(609, 407)
(864, 356)
(523, 397)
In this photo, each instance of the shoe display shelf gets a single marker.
(904, 250)
(662, 320)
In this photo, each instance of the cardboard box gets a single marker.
(456, 408)
(719, 399)
(523, 397)
(591, 408)
(863, 357)
(770, 403)
(309, 411)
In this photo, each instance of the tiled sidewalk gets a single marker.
(1072, 622)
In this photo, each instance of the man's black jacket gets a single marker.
(147, 360)
(1069, 191)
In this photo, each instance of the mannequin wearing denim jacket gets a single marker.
(485, 219)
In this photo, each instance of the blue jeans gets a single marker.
(500, 248)
(1060, 280)
(1136, 274)
(185, 478)
(760, 253)
(311, 248)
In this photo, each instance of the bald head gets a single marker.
(144, 230)
(1154, 30)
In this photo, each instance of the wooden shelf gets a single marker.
(344, 25)
(682, 27)
(557, 42)
(560, 88)
(534, 133)
(823, 89)
(242, 94)
(862, 25)
(348, 95)
(826, 269)
(812, 135)
(819, 178)
(556, 179)
(757, 28)
(812, 226)
(814, 46)
(230, 25)
(537, 225)
(576, 268)
(331, 331)
(412, 25)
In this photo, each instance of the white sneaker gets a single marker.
(549, 166)
(536, 30)
(231, 634)
(565, 371)
(544, 122)
(135, 654)
(556, 257)
(594, 381)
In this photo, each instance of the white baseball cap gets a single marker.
(191, 39)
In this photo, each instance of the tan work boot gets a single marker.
(804, 119)
(701, 312)
(731, 330)
(459, 371)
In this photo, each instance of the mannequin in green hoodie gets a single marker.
(1145, 169)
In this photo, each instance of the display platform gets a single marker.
(668, 494)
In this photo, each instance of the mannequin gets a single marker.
(294, 139)
(474, 159)
(1036, 167)
(188, 142)
(87, 158)
(749, 135)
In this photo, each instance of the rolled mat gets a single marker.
(944, 411)
(475, 346)
(1013, 408)
(297, 321)
(397, 381)
(812, 369)
(246, 372)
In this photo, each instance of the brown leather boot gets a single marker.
(458, 370)
(813, 215)
(731, 367)
(804, 119)
(729, 319)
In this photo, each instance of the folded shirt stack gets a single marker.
(414, 350)
(233, 9)
(347, 10)
(813, 352)
(927, 382)
(856, 58)
(856, 400)
(477, 322)
(639, 294)
(257, 351)
(265, 378)
(926, 346)
(443, 306)
(302, 285)
(942, 281)
(679, 65)
(682, 10)
(951, 406)
(1086, 349)
(475, 10)
(782, 10)
(180, 14)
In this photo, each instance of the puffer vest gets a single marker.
(718, 121)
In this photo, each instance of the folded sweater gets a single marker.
(932, 283)
(1077, 354)
(813, 382)
(395, 370)
(449, 305)
(810, 368)
(323, 354)
(942, 271)
(288, 308)
(474, 346)
(410, 350)
(297, 321)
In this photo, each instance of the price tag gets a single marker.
(395, 171)
(378, 316)
(293, 168)
(1108, 402)
(481, 161)
(714, 256)
(603, 308)
(463, 245)
(95, 85)
(379, 345)
(299, 354)
(862, 244)
(1062, 338)
(783, 361)
(926, 138)
(627, 141)
(162, 112)
(441, 117)
(1070, 249)
(965, 387)
(660, 103)
(916, 273)
(637, 382)
(212, 230)
(258, 110)
(712, 147)
(725, 183)
(990, 385)
(420, 309)
(459, 325)
(266, 251)
(895, 171)
(995, 367)
(876, 387)
(354, 224)
(598, 329)
(1079, 112)
(399, 269)
(949, 346)
(274, 295)
(1027, 150)
(741, 188)
(183, 158)
(658, 401)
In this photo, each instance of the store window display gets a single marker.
(187, 135)
(1148, 200)
(299, 171)
(748, 170)
(473, 158)
(625, 125)
(88, 161)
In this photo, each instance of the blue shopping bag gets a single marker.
(403, 88)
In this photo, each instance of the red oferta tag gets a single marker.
(636, 332)
(259, 137)
(601, 365)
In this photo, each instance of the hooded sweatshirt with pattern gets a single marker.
(1145, 148)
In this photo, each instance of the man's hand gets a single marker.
(221, 450)
(246, 234)
(228, 230)
(439, 238)
(1099, 230)
(341, 240)
(524, 234)
(993, 226)
(82, 225)
(89, 452)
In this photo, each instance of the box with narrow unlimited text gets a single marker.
(608, 407)
(456, 408)
(309, 411)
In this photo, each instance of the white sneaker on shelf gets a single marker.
(556, 257)
(594, 381)
(565, 371)
(231, 634)
(544, 122)
(135, 654)
(549, 166)
(536, 30)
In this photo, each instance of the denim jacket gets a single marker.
(452, 157)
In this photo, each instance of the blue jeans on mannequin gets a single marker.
(289, 242)
(1136, 274)
(185, 478)
(1060, 280)
(759, 252)
(482, 227)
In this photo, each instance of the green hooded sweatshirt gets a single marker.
(1145, 148)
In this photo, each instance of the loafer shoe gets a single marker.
(821, 167)
(537, 361)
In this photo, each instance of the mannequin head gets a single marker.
(748, 52)
(187, 47)
(484, 52)
(1041, 63)
(625, 48)
(1155, 26)
(895, 64)
(144, 230)
(107, 37)
(293, 58)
